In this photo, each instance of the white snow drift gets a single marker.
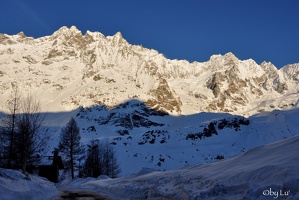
(14, 185)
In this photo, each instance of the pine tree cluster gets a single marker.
(100, 159)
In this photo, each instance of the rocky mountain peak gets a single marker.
(94, 35)
(117, 39)
(22, 34)
(230, 58)
(65, 29)
(65, 33)
(268, 67)
(118, 35)
(5, 39)
(291, 72)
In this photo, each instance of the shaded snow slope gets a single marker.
(143, 137)
(171, 142)
(15, 186)
(266, 172)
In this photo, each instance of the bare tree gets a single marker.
(30, 139)
(70, 145)
(9, 126)
(13, 106)
(22, 137)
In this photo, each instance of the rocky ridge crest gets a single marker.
(71, 69)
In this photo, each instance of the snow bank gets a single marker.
(14, 185)
(267, 172)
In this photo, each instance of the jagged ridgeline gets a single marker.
(69, 69)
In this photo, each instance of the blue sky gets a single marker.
(187, 29)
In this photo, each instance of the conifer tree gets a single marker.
(101, 160)
(93, 163)
(114, 168)
(70, 145)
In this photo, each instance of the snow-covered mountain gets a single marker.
(158, 113)
(68, 69)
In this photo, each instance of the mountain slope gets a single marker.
(69, 69)
(154, 139)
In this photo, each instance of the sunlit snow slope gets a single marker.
(68, 69)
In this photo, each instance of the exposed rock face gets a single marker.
(236, 83)
(291, 72)
(5, 40)
(163, 98)
(128, 115)
(273, 79)
(72, 69)
(215, 83)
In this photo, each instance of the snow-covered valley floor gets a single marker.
(266, 172)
